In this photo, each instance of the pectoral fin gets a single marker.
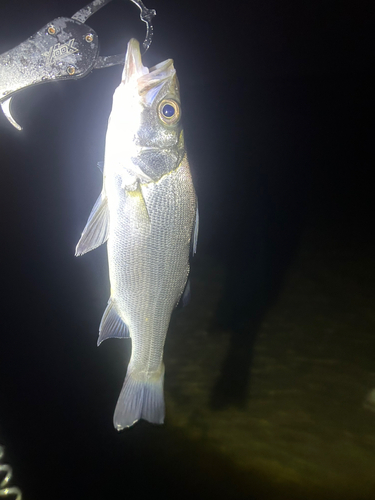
(138, 202)
(97, 227)
(111, 325)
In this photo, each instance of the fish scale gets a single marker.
(157, 265)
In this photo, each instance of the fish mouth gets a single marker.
(133, 67)
(146, 78)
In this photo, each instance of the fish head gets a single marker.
(146, 114)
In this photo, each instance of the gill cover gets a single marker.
(144, 126)
(159, 138)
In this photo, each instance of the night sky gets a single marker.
(277, 100)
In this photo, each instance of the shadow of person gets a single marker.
(240, 312)
(262, 244)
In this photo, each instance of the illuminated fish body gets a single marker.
(147, 211)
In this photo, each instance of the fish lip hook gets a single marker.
(146, 16)
(64, 49)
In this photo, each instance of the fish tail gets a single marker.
(141, 396)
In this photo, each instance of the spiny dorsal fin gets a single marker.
(195, 232)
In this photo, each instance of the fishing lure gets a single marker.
(6, 475)
(64, 49)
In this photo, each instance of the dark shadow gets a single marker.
(263, 216)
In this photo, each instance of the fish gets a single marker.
(147, 212)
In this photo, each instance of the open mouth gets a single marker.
(146, 78)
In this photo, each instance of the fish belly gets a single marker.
(148, 253)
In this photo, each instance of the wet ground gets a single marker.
(273, 409)
(293, 412)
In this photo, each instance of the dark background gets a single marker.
(278, 106)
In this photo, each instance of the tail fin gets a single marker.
(141, 396)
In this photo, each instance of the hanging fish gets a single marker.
(147, 212)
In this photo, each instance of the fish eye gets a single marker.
(169, 111)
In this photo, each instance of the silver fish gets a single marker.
(148, 214)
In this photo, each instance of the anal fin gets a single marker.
(111, 325)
